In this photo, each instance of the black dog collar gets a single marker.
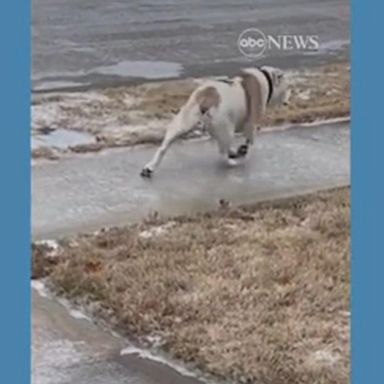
(270, 84)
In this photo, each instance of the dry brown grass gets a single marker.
(133, 115)
(322, 93)
(254, 294)
(316, 95)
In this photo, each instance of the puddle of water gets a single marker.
(48, 85)
(61, 138)
(150, 70)
(333, 46)
(145, 69)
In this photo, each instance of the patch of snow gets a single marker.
(40, 287)
(325, 357)
(53, 246)
(146, 354)
(156, 231)
(332, 91)
(66, 110)
(305, 95)
(43, 291)
(314, 123)
(155, 340)
(335, 120)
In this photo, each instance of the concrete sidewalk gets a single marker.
(87, 192)
(68, 349)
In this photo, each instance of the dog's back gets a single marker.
(220, 100)
(223, 106)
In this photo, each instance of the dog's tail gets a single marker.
(195, 112)
(206, 98)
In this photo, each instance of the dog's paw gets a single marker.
(232, 162)
(146, 172)
(233, 154)
(242, 150)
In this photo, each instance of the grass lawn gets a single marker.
(130, 115)
(257, 294)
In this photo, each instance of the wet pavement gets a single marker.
(90, 43)
(60, 138)
(86, 192)
(68, 349)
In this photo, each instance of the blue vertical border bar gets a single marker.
(15, 191)
(367, 192)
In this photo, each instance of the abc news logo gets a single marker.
(253, 43)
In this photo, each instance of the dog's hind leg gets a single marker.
(179, 126)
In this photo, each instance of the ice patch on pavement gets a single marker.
(53, 358)
(61, 138)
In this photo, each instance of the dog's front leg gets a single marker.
(224, 133)
(249, 133)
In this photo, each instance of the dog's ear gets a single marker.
(253, 95)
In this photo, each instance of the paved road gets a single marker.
(87, 192)
(95, 42)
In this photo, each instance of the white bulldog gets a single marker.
(222, 107)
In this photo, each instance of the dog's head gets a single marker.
(280, 92)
